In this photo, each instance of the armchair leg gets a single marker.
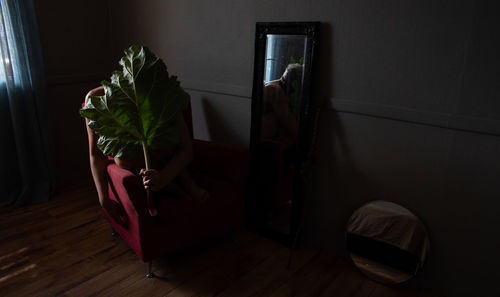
(150, 273)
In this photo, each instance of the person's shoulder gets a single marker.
(273, 90)
(273, 84)
(99, 91)
(272, 87)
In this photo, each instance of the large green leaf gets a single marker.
(141, 105)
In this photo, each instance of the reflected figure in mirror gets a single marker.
(279, 129)
(280, 117)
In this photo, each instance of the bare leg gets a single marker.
(115, 211)
(176, 190)
(191, 188)
(183, 187)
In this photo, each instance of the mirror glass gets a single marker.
(282, 94)
(387, 242)
(280, 126)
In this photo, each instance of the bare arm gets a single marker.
(286, 119)
(98, 164)
(98, 161)
(182, 156)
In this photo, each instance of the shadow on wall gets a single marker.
(337, 187)
(219, 129)
(323, 87)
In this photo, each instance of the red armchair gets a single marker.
(221, 169)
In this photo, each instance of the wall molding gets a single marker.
(389, 112)
(70, 79)
(416, 116)
(218, 88)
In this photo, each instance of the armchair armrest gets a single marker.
(129, 189)
(224, 160)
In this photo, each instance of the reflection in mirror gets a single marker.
(388, 243)
(280, 124)
(282, 50)
(280, 102)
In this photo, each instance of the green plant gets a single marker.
(300, 61)
(140, 108)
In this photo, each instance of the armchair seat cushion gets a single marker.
(223, 210)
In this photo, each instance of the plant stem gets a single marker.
(149, 196)
(146, 155)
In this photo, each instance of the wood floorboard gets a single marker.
(20, 224)
(385, 291)
(260, 282)
(109, 278)
(64, 248)
(349, 283)
(69, 243)
(179, 268)
(226, 269)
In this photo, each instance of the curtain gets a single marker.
(26, 175)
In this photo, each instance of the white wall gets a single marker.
(413, 111)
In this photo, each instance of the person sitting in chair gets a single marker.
(170, 174)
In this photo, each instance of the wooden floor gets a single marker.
(64, 248)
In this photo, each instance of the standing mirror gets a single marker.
(281, 128)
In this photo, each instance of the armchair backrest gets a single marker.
(188, 118)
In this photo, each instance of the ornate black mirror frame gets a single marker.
(255, 209)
